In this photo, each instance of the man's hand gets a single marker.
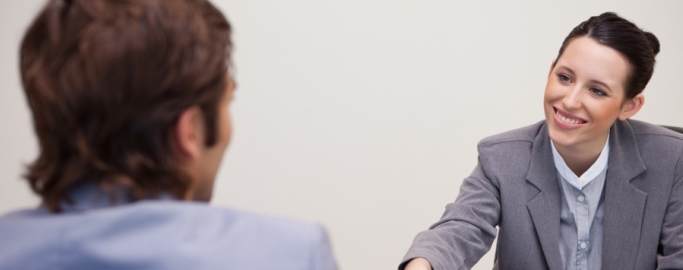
(418, 264)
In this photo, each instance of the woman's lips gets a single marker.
(565, 120)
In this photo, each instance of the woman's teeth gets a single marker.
(567, 120)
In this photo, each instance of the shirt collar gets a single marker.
(579, 182)
(89, 196)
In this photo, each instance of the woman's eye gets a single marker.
(564, 78)
(597, 91)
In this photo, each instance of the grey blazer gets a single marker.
(514, 187)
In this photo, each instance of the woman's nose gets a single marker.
(572, 99)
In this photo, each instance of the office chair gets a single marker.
(677, 129)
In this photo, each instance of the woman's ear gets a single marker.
(632, 106)
(189, 134)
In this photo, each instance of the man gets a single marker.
(130, 105)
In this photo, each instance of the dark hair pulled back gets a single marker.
(638, 46)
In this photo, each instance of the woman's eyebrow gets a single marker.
(604, 85)
(569, 70)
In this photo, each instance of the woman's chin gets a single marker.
(560, 137)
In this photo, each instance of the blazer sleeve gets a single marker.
(466, 229)
(670, 251)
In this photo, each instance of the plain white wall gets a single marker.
(364, 115)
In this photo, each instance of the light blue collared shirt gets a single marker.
(165, 233)
(581, 212)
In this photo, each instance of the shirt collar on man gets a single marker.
(90, 196)
(592, 172)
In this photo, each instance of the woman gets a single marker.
(587, 188)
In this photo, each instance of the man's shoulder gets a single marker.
(166, 234)
(244, 238)
(225, 222)
(164, 215)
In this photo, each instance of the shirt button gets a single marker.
(583, 245)
(582, 198)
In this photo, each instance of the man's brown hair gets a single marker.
(106, 81)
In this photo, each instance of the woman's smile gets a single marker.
(567, 121)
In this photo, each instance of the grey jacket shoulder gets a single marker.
(508, 153)
(659, 146)
(644, 128)
(525, 134)
(510, 144)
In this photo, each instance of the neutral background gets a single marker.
(364, 115)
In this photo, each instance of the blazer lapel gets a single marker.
(624, 204)
(545, 206)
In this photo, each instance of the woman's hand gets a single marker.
(418, 264)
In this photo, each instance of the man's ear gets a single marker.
(631, 107)
(189, 133)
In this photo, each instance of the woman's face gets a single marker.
(585, 94)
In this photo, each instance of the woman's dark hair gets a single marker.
(106, 82)
(638, 46)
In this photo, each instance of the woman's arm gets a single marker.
(466, 229)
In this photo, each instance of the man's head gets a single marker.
(127, 94)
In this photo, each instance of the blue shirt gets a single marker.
(581, 212)
(96, 233)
